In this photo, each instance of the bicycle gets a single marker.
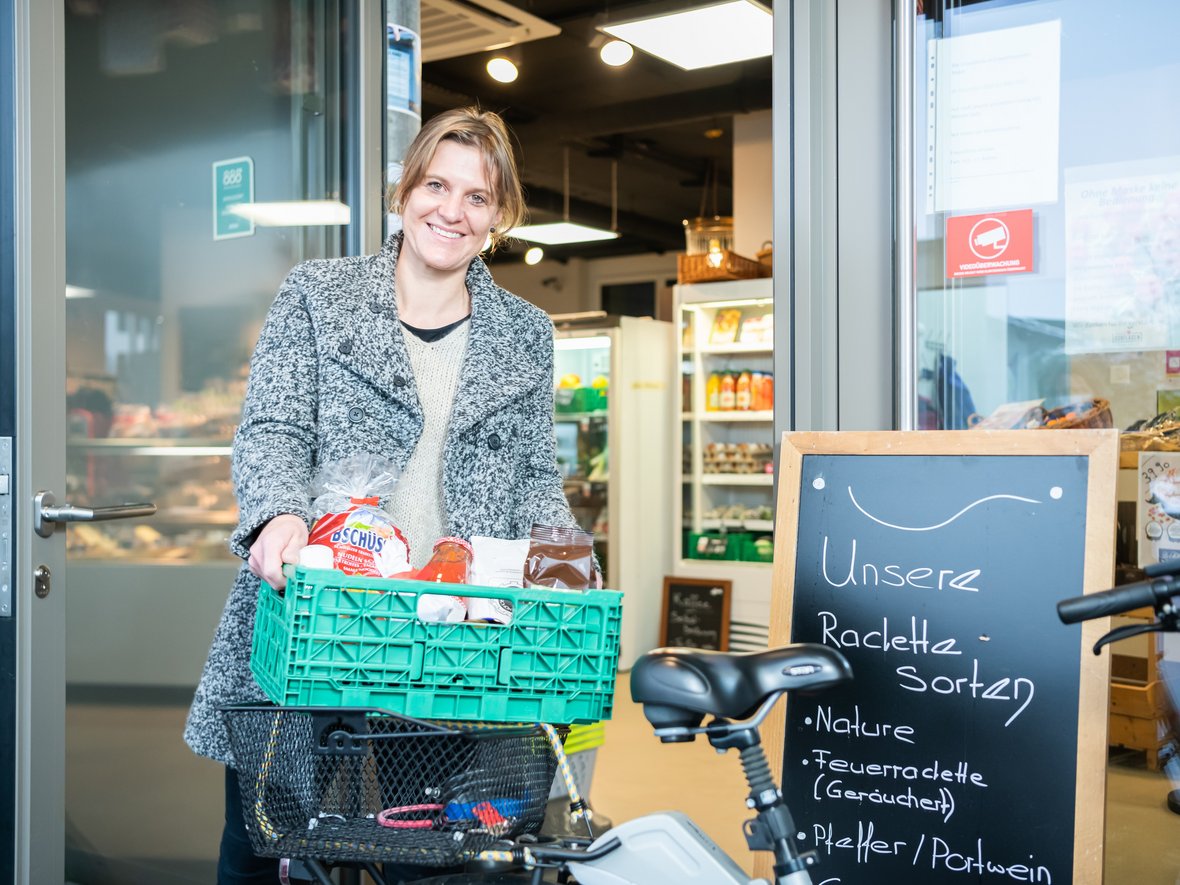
(486, 799)
(1158, 591)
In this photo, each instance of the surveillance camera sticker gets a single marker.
(997, 243)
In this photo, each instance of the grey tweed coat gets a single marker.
(330, 377)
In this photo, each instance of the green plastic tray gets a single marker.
(337, 640)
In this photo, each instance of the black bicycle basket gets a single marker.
(367, 785)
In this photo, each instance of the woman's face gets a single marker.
(447, 216)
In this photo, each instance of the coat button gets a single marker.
(399, 381)
(345, 346)
(356, 414)
(494, 441)
(375, 306)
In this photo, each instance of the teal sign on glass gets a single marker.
(233, 184)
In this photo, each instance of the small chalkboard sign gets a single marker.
(695, 613)
(970, 744)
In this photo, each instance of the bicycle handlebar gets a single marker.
(1152, 592)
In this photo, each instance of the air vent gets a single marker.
(461, 27)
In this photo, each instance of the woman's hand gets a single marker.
(280, 541)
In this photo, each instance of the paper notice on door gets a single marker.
(1122, 246)
(993, 101)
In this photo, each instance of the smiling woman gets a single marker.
(413, 354)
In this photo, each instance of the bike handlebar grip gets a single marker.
(1107, 602)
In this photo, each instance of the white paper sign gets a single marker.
(1122, 246)
(993, 101)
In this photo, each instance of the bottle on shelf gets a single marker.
(742, 391)
(727, 399)
(713, 393)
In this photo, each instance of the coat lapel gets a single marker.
(498, 368)
(367, 334)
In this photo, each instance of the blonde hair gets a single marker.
(483, 130)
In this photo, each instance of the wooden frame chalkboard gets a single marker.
(695, 613)
(974, 731)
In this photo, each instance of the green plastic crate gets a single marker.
(580, 399)
(337, 640)
(751, 552)
(716, 545)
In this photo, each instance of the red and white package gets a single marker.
(351, 522)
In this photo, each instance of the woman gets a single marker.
(414, 354)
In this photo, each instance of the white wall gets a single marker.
(753, 197)
(574, 286)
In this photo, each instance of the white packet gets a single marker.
(440, 607)
(495, 562)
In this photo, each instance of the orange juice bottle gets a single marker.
(742, 391)
(727, 398)
(713, 393)
(767, 386)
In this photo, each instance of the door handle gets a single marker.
(47, 513)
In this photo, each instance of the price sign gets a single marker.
(695, 613)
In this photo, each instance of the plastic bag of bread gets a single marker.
(351, 521)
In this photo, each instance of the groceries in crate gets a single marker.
(496, 562)
(561, 558)
(351, 521)
(449, 564)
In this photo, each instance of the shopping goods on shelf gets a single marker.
(745, 458)
(740, 390)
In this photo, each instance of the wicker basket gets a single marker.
(714, 266)
(1087, 414)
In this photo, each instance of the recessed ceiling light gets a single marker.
(616, 53)
(502, 69)
(701, 38)
(561, 232)
(534, 255)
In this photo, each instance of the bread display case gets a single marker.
(148, 589)
(724, 463)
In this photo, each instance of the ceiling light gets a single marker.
(534, 255)
(295, 213)
(704, 37)
(560, 233)
(616, 53)
(502, 69)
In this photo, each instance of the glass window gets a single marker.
(1047, 205)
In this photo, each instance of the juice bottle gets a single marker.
(713, 393)
(450, 563)
(742, 391)
(727, 398)
(767, 387)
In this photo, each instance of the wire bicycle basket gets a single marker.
(368, 785)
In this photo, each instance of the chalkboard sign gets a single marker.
(970, 745)
(695, 613)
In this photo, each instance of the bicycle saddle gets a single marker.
(679, 686)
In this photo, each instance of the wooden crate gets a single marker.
(1140, 712)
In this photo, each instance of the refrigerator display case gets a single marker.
(724, 459)
(613, 419)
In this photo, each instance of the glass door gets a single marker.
(1046, 193)
(191, 131)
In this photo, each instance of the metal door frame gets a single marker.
(7, 431)
(38, 302)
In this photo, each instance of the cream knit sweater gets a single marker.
(417, 502)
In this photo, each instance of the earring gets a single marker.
(493, 230)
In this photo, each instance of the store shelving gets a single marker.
(735, 505)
